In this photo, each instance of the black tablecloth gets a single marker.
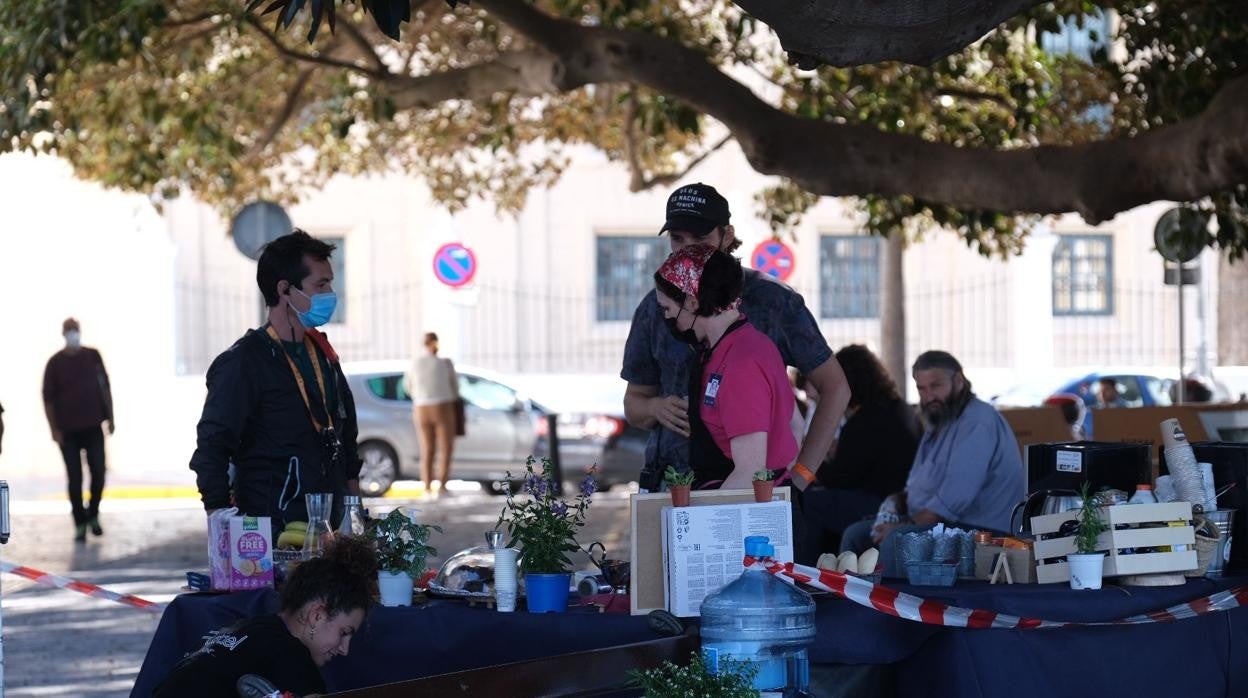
(397, 644)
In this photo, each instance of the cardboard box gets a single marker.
(646, 592)
(1022, 563)
(1142, 526)
(219, 548)
(251, 553)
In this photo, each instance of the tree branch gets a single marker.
(289, 107)
(853, 32)
(311, 57)
(1182, 162)
(673, 177)
(525, 72)
(366, 47)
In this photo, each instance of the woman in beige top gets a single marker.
(435, 391)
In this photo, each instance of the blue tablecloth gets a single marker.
(1204, 656)
(397, 644)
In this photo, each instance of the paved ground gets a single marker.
(60, 643)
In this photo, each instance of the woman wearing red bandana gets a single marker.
(740, 403)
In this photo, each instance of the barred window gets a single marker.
(1083, 275)
(625, 273)
(849, 273)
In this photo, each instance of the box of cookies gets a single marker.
(251, 553)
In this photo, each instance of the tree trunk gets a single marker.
(893, 309)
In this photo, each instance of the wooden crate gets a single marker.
(1145, 528)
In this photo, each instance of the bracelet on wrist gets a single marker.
(804, 472)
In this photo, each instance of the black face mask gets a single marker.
(685, 336)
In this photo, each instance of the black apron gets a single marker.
(709, 464)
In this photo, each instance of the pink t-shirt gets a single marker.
(745, 389)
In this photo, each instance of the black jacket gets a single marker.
(875, 450)
(255, 417)
(260, 646)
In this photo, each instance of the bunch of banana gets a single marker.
(292, 537)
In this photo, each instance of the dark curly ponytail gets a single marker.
(344, 579)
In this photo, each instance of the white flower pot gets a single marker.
(1086, 570)
(396, 589)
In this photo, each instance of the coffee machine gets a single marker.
(1230, 467)
(1056, 471)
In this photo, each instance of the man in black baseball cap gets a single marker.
(696, 208)
(656, 364)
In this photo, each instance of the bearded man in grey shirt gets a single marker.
(967, 471)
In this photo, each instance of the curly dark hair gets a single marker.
(869, 382)
(344, 579)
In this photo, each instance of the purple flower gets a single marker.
(588, 486)
(530, 483)
(559, 508)
(540, 485)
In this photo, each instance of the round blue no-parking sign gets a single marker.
(775, 258)
(454, 264)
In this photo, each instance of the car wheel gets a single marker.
(379, 470)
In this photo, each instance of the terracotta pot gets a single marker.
(680, 495)
(762, 490)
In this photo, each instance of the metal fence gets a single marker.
(542, 327)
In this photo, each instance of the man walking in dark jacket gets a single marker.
(278, 405)
(77, 399)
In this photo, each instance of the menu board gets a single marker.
(704, 546)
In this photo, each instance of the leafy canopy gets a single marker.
(166, 96)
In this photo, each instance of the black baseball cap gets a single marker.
(697, 208)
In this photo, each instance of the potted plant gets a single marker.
(668, 680)
(402, 551)
(763, 485)
(544, 527)
(1086, 563)
(679, 484)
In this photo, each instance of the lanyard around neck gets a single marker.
(303, 388)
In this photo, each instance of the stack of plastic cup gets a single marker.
(1184, 472)
(505, 584)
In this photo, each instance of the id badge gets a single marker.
(712, 389)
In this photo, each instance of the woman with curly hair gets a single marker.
(871, 457)
(323, 604)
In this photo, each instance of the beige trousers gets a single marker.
(435, 425)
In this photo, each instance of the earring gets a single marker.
(314, 632)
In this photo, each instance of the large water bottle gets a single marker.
(761, 622)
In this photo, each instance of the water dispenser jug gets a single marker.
(761, 622)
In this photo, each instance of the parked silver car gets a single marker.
(501, 427)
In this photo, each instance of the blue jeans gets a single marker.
(857, 538)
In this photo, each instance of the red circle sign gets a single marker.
(775, 258)
(454, 264)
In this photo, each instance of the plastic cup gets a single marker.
(505, 582)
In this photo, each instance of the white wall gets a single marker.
(72, 248)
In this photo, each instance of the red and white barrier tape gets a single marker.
(92, 590)
(909, 607)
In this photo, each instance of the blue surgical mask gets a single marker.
(321, 309)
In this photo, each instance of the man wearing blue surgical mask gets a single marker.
(278, 406)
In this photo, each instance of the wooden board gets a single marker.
(646, 534)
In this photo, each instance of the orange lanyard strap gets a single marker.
(303, 388)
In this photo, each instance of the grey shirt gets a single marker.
(969, 471)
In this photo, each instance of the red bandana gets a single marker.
(683, 269)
